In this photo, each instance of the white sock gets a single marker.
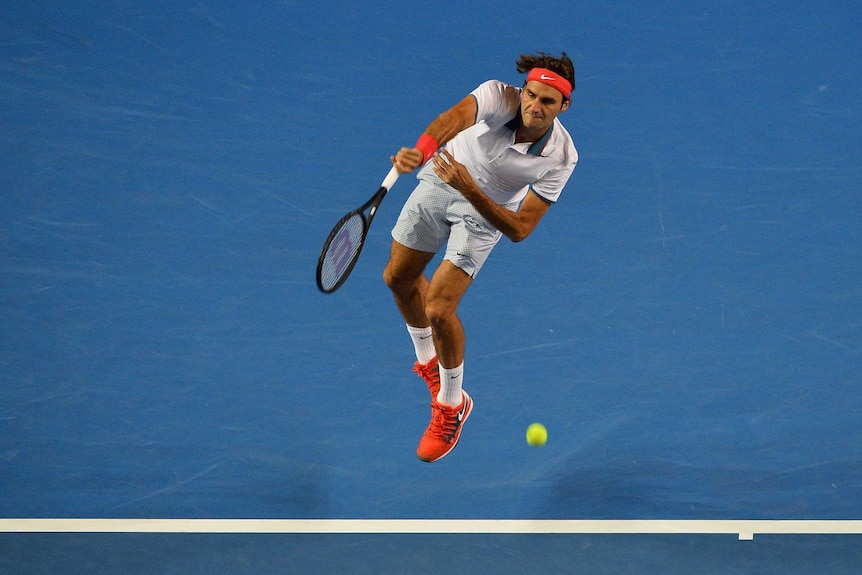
(450, 385)
(423, 343)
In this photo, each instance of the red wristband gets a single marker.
(427, 145)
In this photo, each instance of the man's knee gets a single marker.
(404, 268)
(400, 279)
(440, 310)
(391, 277)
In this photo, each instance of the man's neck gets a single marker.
(523, 135)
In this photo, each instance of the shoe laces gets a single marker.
(428, 372)
(444, 421)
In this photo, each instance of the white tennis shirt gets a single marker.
(504, 170)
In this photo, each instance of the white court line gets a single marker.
(745, 529)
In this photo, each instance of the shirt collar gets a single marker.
(538, 146)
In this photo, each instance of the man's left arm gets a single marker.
(514, 225)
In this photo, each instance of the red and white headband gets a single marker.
(551, 79)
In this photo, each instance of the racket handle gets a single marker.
(390, 179)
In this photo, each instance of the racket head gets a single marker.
(341, 251)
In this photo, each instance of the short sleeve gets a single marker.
(497, 102)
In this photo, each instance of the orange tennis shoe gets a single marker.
(444, 431)
(430, 372)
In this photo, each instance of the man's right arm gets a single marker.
(445, 127)
(454, 120)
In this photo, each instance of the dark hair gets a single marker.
(562, 65)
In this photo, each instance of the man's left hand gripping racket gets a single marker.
(345, 241)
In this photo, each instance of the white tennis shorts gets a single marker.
(436, 214)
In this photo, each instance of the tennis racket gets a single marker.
(341, 249)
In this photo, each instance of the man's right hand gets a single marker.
(407, 160)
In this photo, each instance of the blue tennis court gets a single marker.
(686, 321)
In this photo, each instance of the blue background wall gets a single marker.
(686, 321)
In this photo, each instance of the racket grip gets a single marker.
(390, 179)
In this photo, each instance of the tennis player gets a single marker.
(493, 165)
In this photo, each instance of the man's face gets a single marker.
(540, 104)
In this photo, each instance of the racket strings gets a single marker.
(342, 252)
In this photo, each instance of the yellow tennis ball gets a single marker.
(537, 434)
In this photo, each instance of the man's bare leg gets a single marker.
(442, 298)
(405, 278)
